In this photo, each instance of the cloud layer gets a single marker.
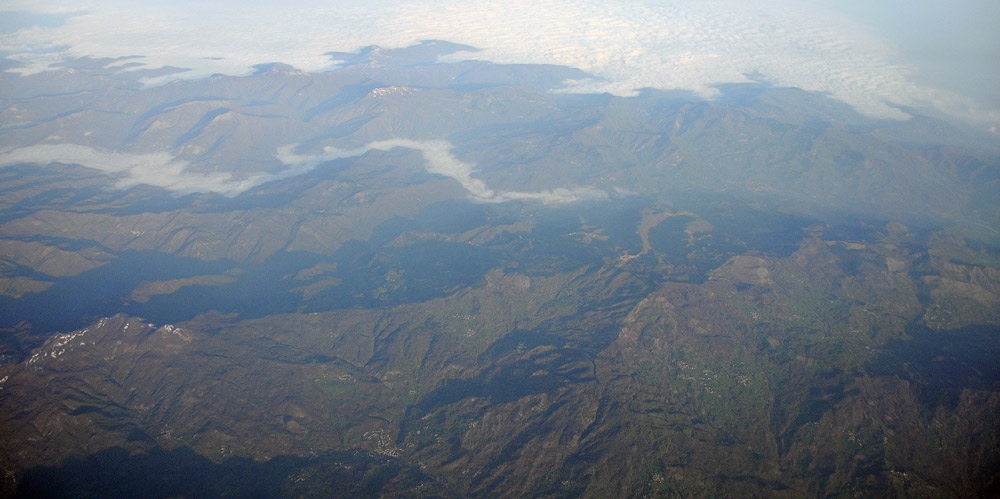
(440, 160)
(158, 169)
(166, 171)
(625, 44)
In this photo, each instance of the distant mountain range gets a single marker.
(410, 278)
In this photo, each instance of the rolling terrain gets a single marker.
(409, 278)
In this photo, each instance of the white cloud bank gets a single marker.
(440, 160)
(158, 169)
(166, 171)
(625, 44)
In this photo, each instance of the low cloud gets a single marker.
(157, 169)
(164, 170)
(626, 44)
(440, 160)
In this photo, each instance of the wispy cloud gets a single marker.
(158, 169)
(625, 44)
(440, 160)
(166, 171)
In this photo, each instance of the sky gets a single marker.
(936, 55)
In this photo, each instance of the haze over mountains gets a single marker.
(874, 57)
(399, 271)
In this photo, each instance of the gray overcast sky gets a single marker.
(940, 54)
(952, 43)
